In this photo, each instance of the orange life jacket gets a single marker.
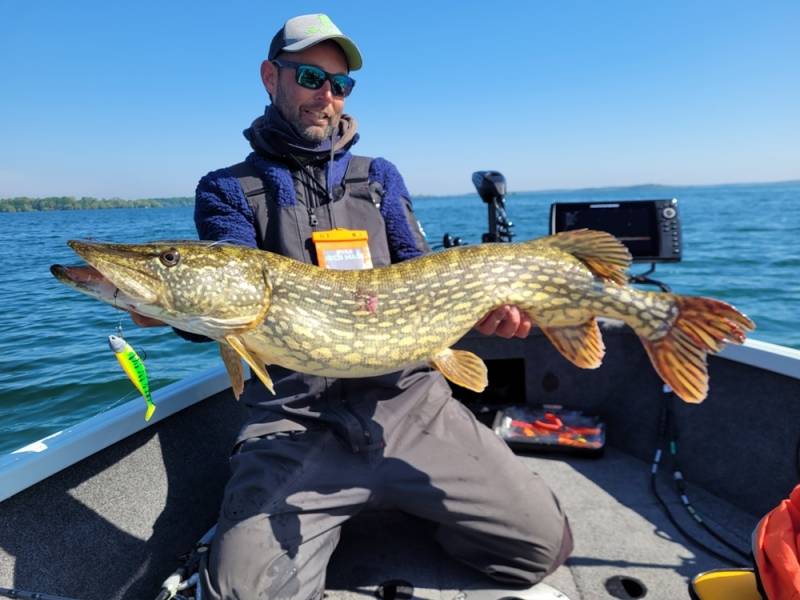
(776, 548)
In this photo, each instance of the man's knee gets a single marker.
(521, 560)
(535, 561)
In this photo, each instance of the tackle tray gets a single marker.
(550, 428)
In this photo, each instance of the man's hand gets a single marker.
(506, 321)
(143, 321)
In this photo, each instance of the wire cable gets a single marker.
(662, 429)
(680, 482)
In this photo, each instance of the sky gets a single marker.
(140, 99)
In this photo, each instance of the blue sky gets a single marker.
(132, 100)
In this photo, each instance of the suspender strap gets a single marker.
(254, 189)
(357, 170)
(356, 181)
(249, 179)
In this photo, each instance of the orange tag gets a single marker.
(342, 249)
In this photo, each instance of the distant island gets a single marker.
(24, 204)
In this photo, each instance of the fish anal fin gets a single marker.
(581, 344)
(601, 252)
(255, 364)
(702, 326)
(233, 365)
(462, 368)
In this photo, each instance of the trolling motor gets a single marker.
(491, 186)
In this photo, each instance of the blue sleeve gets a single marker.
(221, 212)
(404, 234)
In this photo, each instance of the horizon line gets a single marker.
(471, 192)
(618, 187)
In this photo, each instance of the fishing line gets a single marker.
(126, 398)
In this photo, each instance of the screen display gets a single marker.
(633, 223)
(649, 228)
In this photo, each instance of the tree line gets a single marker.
(25, 204)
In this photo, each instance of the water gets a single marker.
(56, 369)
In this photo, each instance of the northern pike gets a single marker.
(269, 309)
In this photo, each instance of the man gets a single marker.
(322, 450)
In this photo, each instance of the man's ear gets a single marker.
(269, 76)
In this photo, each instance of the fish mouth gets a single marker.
(83, 276)
(117, 264)
(88, 280)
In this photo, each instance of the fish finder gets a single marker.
(650, 229)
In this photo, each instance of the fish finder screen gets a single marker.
(636, 223)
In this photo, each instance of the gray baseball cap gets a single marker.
(299, 33)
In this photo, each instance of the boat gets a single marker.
(112, 507)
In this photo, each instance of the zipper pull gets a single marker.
(312, 217)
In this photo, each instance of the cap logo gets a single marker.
(325, 26)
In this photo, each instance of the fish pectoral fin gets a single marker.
(581, 344)
(462, 368)
(233, 364)
(251, 360)
(601, 252)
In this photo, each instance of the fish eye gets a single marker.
(170, 258)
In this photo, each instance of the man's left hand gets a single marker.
(506, 321)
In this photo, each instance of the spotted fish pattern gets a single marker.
(269, 309)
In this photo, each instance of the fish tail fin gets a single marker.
(151, 408)
(701, 326)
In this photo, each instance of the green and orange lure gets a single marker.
(134, 369)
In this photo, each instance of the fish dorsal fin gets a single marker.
(605, 255)
(255, 364)
(580, 344)
(233, 364)
(462, 368)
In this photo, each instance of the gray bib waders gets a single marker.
(337, 447)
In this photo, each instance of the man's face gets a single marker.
(314, 114)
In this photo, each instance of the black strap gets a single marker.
(356, 181)
(254, 188)
(250, 180)
(357, 170)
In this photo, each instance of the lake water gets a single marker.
(739, 245)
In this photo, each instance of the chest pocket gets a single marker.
(356, 205)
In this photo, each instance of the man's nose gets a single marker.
(325, 92)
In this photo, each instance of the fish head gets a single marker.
(207, 288)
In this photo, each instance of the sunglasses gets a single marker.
(313, 78)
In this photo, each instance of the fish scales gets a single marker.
(431, 317)
(269, 309)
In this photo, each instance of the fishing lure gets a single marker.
(134, 369)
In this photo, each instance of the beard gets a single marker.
(313, 133)
(293, 115)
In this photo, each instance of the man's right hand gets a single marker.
(143, 321)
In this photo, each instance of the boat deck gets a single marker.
(620, 530)
(113, 525)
